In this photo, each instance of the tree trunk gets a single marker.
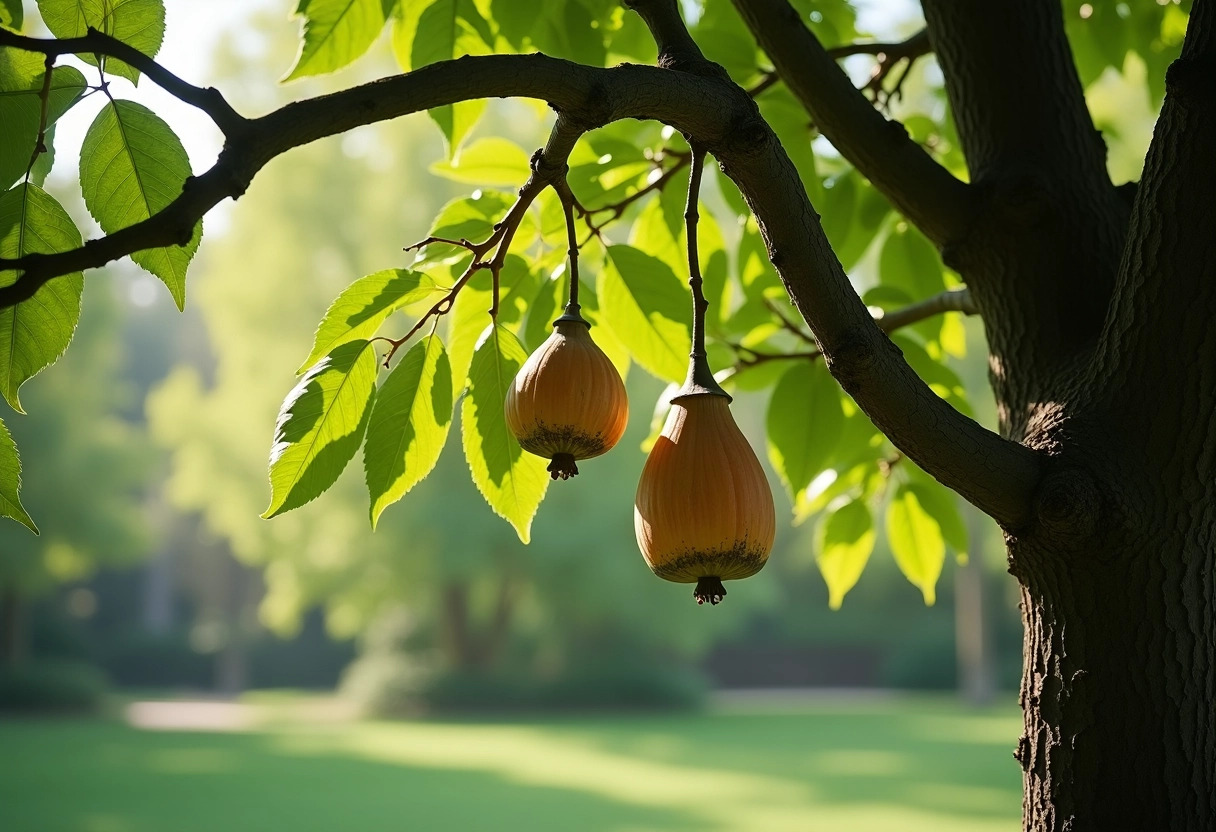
(1118, 689)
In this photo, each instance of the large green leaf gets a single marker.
(10, 481)
(804, 423)
(366, 304)
(11, 14)
(138, 23)
(35, 332)
(648, 309)
(321, 425)
(512, 482)
(335, 33)
(21, 77)
(409, 424)
(488, 161)
(916, 541)
(942, 505)
(132, 165)
(845, 540)
(448, 29)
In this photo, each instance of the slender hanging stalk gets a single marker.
(700, 376)
(564, 193)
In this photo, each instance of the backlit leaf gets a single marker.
(916, 541)
(513, 482)
(132, 165)
(409, 424)
(138, 23)
(648, 309)
(366, 304)
(844, 541)
(321, 425)
(10, 481)
(336, 32)
(35, 332)
(804, 423)
(21, 77)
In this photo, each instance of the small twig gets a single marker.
(790, 326)
(951, 300)
(45, 97)
(887, 55)
(617, 209)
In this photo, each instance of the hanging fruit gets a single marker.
(567, 401)
(703, 512)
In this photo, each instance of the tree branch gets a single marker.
(922, 190)
(1158, 336)
(997, 475)
(207, 99)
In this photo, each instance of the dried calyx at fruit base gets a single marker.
(704, 511)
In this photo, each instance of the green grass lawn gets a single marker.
(903, 767)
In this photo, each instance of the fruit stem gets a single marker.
(567, 200)
(709, 589)
(700, 378)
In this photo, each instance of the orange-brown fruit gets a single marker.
(567, 401)
(704, 510)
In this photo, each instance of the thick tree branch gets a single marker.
(207, 99)
(997, 475)
(922, 190)
(1159, 334)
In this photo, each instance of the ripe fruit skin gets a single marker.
(567, 401)
(704, 510)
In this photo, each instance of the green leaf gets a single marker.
(321, 425)
(138, 23)
(409, 424)
(132, 165)
(942, 505)
(21, 77)
(448, 29)
(910, 262)
(366, 304)
(916, 541)
(512, 482)
(844, 542)
(804, 423)
(10, 481)
(647, 308)
(336, 32)
(11, 14)
(489, 161)
(35, 332)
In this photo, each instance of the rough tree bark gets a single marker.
(1098, 310)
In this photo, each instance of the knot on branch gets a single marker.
(595, 111)
(1191, 80)
(851, 358)
(1068, 505)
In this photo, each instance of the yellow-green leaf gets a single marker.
(648, 309)
(335, 33)
(916, 541)
(513, 482)
(10, 481)
(409, 424)
(844, 541)
(488, 161)
(321, 425)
